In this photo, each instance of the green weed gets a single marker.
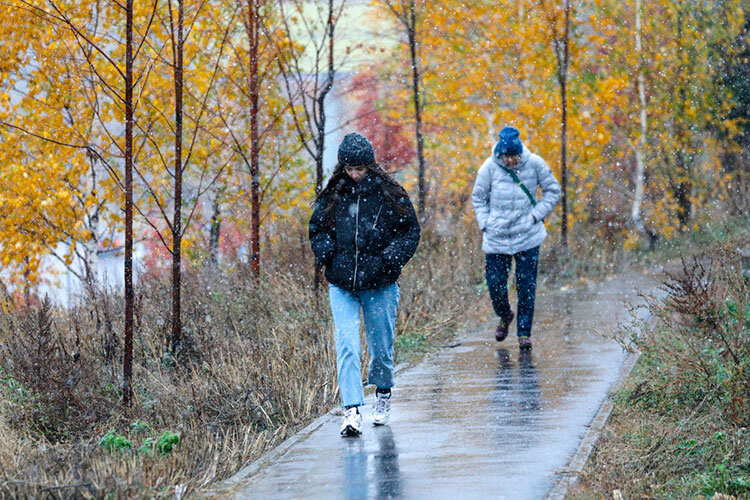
(167, 442)
(113, 442)
(725, 479)
(409, 344)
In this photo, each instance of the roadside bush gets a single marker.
(703, 332)
(679, 428)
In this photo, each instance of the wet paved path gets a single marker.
(479, 420)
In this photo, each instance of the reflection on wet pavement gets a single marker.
(385, 473)
(475, 421)
(516, 398)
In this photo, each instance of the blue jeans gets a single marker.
(498, 268)
(379, 310)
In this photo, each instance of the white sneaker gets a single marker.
(352, 424)
(381, 413)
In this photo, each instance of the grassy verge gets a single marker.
(679, 429)
(257, 363)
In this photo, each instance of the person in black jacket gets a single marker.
(363, 230)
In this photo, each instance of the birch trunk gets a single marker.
(640, 167)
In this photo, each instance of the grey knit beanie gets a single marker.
(355, 149)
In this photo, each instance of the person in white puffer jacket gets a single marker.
(512, 220)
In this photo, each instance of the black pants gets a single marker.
(498, 268)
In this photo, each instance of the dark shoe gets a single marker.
(524, 343)
(502, 328)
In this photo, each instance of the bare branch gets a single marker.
(148, 28)
(38, 136)
(78, 32)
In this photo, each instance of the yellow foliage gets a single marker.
(484, 64)
(487, 64)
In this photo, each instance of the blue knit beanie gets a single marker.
(355, 150)
(509, 143)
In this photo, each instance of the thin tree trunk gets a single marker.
(215, 234)
(564, 139)
(412, 33)
(26, 283)
(320, 140)
(319, 146)
(640, 166)
(127, 364)
(254, 139)
(91, 247)
(684, 192)
(177, 218)
(684, 189)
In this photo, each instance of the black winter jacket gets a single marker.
(370, 241)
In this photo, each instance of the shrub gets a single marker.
(701, 336)
(679, 428)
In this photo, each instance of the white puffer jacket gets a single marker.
(504, 212)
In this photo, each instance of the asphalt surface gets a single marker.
(477, 420)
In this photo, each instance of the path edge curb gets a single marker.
(575, 467)
(257, 465)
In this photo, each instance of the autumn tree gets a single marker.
(392, 148)
(252, 111)
(181, 165)
(101, 37)
(55, 186)
(557, 22)
(306, 60)
(407, 14)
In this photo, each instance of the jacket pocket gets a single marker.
(526, 223)
(372, 272)
(496, 225)
(341, 270)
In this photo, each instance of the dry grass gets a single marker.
(680, 427)
(257, 362)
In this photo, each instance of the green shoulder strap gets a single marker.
(521, 185)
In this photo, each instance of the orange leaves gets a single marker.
(487, 64)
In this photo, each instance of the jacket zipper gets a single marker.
(376, 217)
(356, 246)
